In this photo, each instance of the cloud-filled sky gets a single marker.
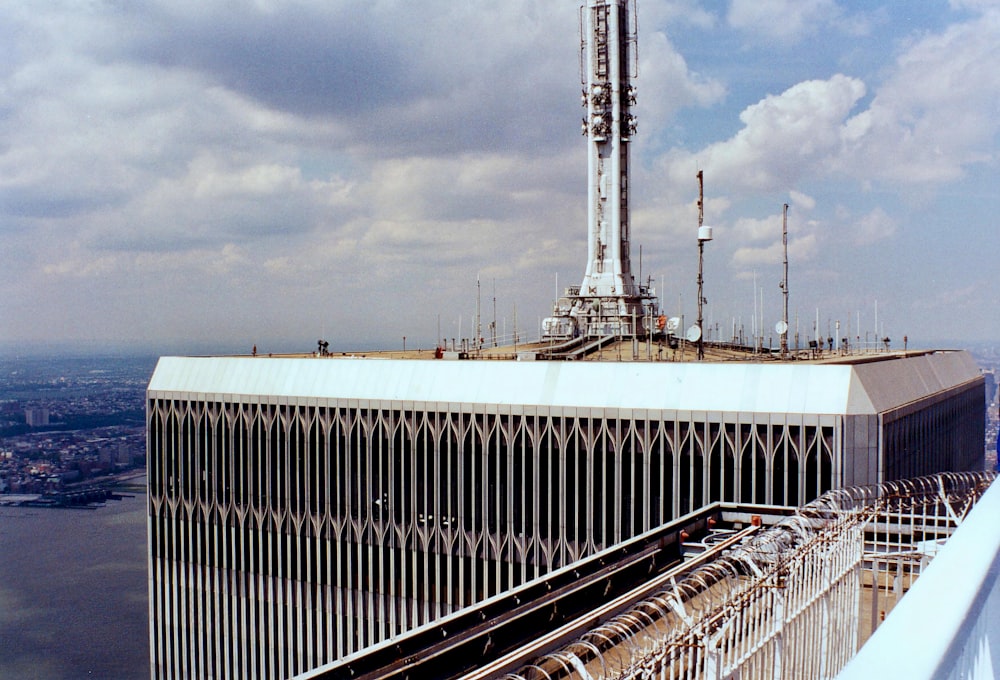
(177, 173)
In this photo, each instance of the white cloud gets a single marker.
(750, 257)
(800, 249)
(979, 5)
(678, 12)
(667, 84)
(801, 201)
(231, 257)
(937, 111)
(755, 229)
(784, 138)
(81, 266)
(942, 304)
(264, 179)
(873, 227)
(783, 21)
(805, 247)
(934, 115)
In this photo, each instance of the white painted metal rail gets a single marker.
(948, 626)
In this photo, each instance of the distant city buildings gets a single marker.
(36, 416)
(43, 462)
(68, 420)
(992, 418)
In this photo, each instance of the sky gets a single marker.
(180, 173)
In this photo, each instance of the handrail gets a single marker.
(950, 617)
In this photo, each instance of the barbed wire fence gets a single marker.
(792, 601)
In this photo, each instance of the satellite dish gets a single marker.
(673, 323)
(693, 334)
(781, 328)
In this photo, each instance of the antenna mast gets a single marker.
(479, 316)
(608, 302)
(493, 326)
(701, 255)
(784, 283)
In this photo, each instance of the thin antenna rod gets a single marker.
(784, 283)
(479, 316)
(701, 254)
(701, 198)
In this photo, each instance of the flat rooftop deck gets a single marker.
(849, 384)
(626, 350)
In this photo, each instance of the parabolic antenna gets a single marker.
(673, 323)
(693, 334)
(780, 328)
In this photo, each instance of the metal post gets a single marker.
(701, 254)
(701, 299)
(784, 283)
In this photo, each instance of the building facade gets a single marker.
(301, 509)
(36, 416)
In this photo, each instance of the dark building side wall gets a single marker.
(942, 434)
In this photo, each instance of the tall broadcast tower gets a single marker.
(608, 301)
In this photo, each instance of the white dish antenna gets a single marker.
(780, 328)
(693, 334)
(673, 323)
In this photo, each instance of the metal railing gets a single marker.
(788, 602)
(948, 626)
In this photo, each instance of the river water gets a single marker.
(73, 592)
